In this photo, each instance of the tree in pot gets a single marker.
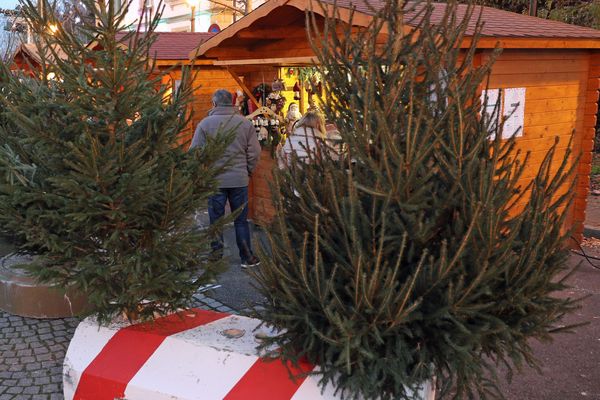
(421, 253)
(109, 205)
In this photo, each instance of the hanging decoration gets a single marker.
(297, 91)
(313, 87)
(261, 92)
(269, 130)
(275, 100)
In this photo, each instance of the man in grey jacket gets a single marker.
(243, 153)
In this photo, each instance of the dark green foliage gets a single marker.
(409, 259)
(96, 182)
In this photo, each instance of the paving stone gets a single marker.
(48, 364)
(15, 368)
(42, 381)
(41, 350)
(38, 373)
(19, 375)
(20, 346)
(27, 360)
(57, 347)
(24, 353)
(14, 389)
(31, 390)
(25, 382)
(44, 357)
(51, 388)
(33, 366)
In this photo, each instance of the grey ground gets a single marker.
(32, 351)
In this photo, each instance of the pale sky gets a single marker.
(8, 3)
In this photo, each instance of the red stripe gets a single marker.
(269, 380)
(128, 350)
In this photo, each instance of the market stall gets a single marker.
(550, 69)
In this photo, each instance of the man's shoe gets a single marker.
(251, 263)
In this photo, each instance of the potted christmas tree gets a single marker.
(406, 259)
(110, 194)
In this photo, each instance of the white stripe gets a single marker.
(89, 339)
(310, 390)
(198, 363)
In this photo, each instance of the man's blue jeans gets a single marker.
(237, 197)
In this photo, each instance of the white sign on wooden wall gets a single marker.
(512, 110)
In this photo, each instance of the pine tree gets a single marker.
(409, 258)
(97, 185)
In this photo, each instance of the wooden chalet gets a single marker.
(551, 67)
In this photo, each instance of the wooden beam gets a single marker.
(288, 32)
(244, 87)
(195, 63)
(284, 61)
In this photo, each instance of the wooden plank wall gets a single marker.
(587, 142)
(560, 99)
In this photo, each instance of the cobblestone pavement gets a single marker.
(31, 356)
(32, 353)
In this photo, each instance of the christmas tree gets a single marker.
(409, 257)
(96, 183)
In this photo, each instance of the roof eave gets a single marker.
(344, 14)
(488, 42)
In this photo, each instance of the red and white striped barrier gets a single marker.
(182, 358)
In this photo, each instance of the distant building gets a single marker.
(177, 14)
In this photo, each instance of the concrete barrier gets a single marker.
(197, 354)
(21, 294)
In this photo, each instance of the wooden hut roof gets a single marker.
(510, 30)
(497, 23)
(30, 52)
(177, 45)
(168, 46)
